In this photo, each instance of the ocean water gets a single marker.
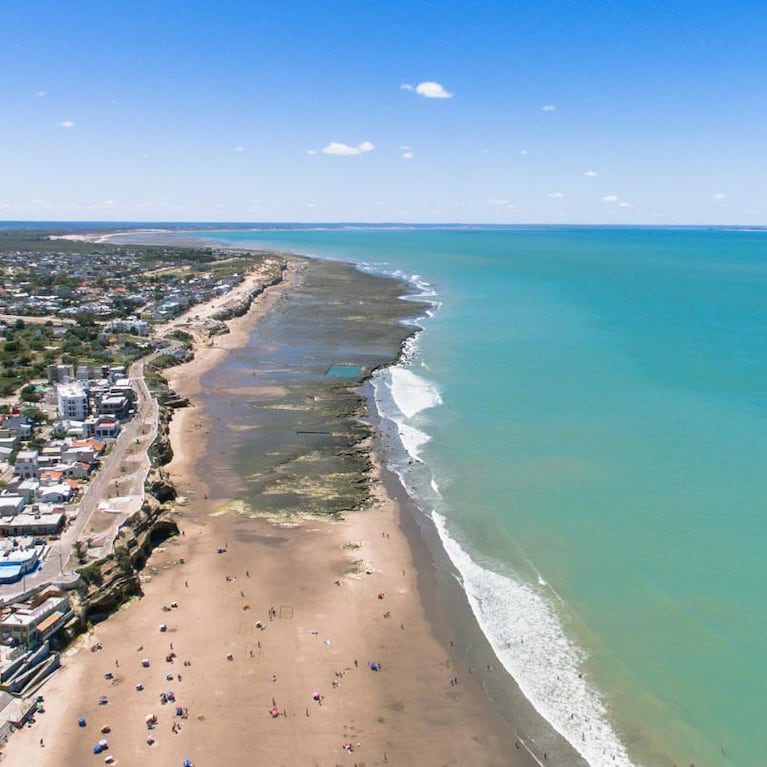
(584, 418)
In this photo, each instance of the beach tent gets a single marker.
(374, 666)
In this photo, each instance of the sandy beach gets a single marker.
(318, 643)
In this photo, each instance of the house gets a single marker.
(37, 524)
(62, 492)
(62, 471)
(16, 563)
(9, 439)
(27, 465)
(102, 427)
(18, 425)
(114, 404)
(27, 488)
(30, 625)
(79, 452)
(11, 505)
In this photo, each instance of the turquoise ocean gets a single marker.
(588, 411)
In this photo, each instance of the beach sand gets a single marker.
(264, 618)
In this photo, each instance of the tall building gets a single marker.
(73, 401)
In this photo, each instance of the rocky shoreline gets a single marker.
(107, 583)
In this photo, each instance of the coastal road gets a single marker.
(122, 491)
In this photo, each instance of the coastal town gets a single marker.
(187, 600)
(85, 331)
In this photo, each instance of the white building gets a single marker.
(72, 401)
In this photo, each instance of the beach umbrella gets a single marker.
(109, 759)
(81, 722)
(103, 743)
(188, 763)
(103, 700)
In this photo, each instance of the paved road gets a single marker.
(123, 491)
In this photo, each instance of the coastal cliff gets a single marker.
(108, 582)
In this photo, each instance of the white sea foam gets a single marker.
(519, 619)
(411, 393)
(528, 637)
(412, 439)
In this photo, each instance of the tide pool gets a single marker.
(587, 409)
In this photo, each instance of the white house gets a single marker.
(10, 505)
(60, 493)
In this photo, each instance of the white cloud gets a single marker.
(239, 149)
(555, 195)
(407, 155)
(625, 205)
(344, 150)
(41, 94)
(609, 198)
(311, 151)
(498, 203)
(719, 196)
(549, 108)
(524, 152)
(432, 90)
(406, 87)
(67, 124)
(591, 173)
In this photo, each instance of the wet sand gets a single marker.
(266, 616)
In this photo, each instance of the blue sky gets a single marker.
(534, 111)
